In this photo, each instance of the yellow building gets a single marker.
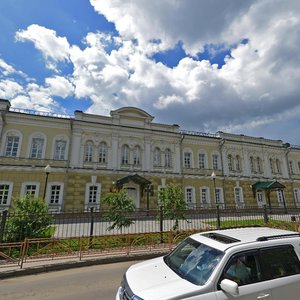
(72, 162)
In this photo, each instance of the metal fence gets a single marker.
(96, 223)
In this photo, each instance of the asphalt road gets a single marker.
(85, 283)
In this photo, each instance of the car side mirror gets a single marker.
(229, 287)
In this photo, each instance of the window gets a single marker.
(297, 196)
(168, 163)
(156, 157)
(230, 162)
(238, 163)
(102, 152)
(88, 153)
(30, 189)
(4, 194)
(60, 150)
(238, 195)
(272, 165)
(291, 167)
(204, 197)
(243, 268)
(55, 193)
(92, 194)
(12, 145)
(258, 162)
(187, 159)
(278, 166)
(280, 198)
(37, 146)
(215, 161)
(252, 165)
(189, 197)
(125, 155)
(137, 156)
(280, 261)
(201, 161)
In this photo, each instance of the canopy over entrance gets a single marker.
(269, 186)
(133, 178)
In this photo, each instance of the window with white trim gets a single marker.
(88, 151)
(54, 194)
(238, 196)
(291, 167)
(187, 159)
(125, 155)
(37, 145)
(278, 166)
(5, 193)
(190, 197)
(202, 161)
(92, 195)
(258, 162)
(230, 162)
(215, 161)
(271, 165)
(60, 150)
(204, 197)
(156, 157)
(252, 165)
(12, 146)
(168, 158)
(137, 155)
(102, 153)
(297, 196)
(238, 163)
(30, 188)
(280, 198)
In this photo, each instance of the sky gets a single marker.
(208, 66)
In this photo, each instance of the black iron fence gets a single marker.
(97, 223)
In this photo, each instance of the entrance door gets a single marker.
(261, 199)
(133, 191)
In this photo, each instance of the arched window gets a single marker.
(12, 144)
(37, 145)
(125, 155)
(238, 163)
(60, 149)
(252, 165)
(230, 162)
(272, 165)
(137, 155)
(259, 167)
(102, 152)
(278, 166)
(168, 158)
(88, 152)
(156, 157)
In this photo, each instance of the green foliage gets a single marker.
(29, 220)
(120, 205)
(173, 203)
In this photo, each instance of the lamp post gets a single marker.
(47, 171)
(213, 177)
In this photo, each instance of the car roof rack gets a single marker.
(279, 236)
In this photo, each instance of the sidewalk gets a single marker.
(35, 267)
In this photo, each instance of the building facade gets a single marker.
(72, 162)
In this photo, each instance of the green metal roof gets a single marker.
(267, 185)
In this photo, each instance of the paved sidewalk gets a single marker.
(35, 267)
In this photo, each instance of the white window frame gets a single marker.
(137, 155)
(202, 158)
(55, 206)
(230, 162)
(239, 197)
(261, 199)
(219, 197)
(168, 158)
(37, 146)
(88, 151)
(9, 195)
(297, 196)
(204, 190)
(280, 198)
(102, 153)
(187, 158)
(291, 167)
(32, 183)
(215, 161)
(87, 204)
(156, 157)
(189, 192)
(59, 153)
(13, 134)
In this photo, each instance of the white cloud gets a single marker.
(9, 89)
(59, 86)
(53, 47)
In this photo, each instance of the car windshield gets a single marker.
(194, 261)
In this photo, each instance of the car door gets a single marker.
(282, 269)
(245, 270)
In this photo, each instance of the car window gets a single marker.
(194, 261)
(243, 268)
(280, 261)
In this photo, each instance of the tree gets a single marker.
(119, 205)
(173, 203)
(30, 219)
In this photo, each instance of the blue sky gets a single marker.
(211, 65)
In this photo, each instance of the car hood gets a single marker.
(153, 279)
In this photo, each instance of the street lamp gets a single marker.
(213, 177)
(47, 171)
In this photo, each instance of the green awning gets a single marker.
(135, 178)
(267, 185)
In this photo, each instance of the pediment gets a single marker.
(132, 113)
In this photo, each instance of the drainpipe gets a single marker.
(222, 168)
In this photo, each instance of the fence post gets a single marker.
(92, 227)
(266, 218)
(2, 225)
(218, 218)
(161, 223)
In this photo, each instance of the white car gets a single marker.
(241, 263)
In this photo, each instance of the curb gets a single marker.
(76, 264)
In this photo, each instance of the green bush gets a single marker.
(30, 219)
